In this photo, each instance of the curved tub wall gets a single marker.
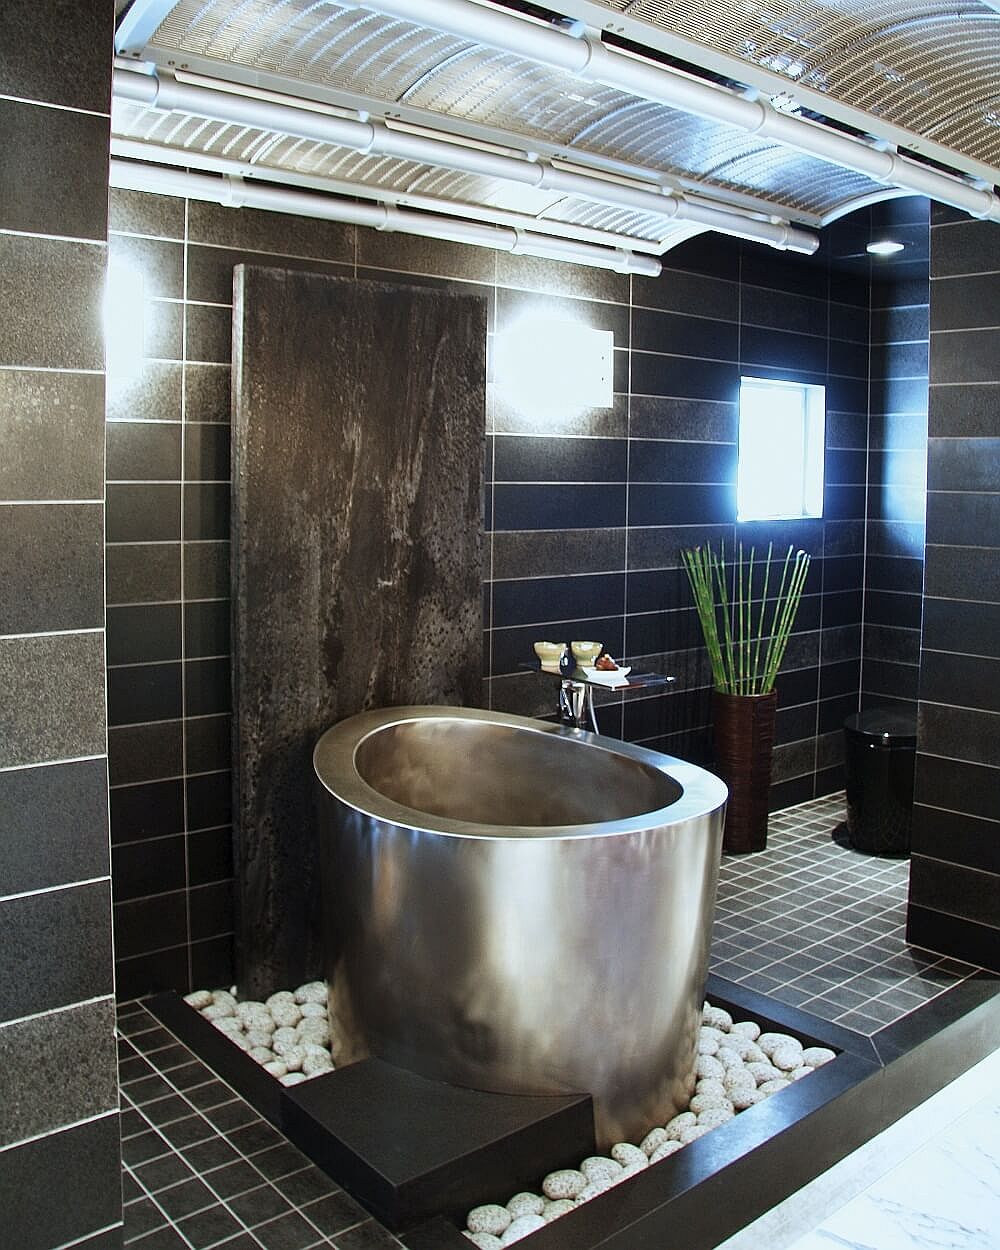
(544, 957)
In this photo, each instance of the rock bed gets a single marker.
(288, 1034)
(738, 1065)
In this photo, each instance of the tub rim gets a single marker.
(702, 793)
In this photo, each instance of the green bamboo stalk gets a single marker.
(778, 603)
(796, 585)
(760, 622)
(720, 572)
(698, 567)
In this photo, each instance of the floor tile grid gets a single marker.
(816, 924)
(203, 1170)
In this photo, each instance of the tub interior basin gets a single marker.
(487, 773)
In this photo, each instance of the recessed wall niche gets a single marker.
(359, 420)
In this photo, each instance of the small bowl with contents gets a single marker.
(549, 653)
(586, 653)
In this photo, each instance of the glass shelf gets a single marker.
(585, 677)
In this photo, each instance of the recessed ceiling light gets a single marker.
(884, 247)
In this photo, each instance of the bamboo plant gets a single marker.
(746, 635)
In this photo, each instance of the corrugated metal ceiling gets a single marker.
(929, 68)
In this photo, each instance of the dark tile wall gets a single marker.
(585, 520)
(59, 1137)
(897, 463)
(955, 875)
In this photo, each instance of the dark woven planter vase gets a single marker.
(744, 741)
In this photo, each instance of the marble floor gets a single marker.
(929, 1182)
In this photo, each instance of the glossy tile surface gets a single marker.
(813, 923)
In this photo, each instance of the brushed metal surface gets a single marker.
(516, 906)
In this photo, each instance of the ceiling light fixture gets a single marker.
(884, 247)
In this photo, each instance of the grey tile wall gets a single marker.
(897, 459)
(955, 878)
(585, 520)
(59, 1133)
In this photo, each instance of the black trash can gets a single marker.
(880, 747)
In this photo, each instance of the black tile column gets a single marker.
(955, 874)
(59, 1137)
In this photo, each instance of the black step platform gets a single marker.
(410, 1148)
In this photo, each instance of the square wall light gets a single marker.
(781, 450)
(555, 367)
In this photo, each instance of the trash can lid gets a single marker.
(890, 727)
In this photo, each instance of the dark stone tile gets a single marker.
(287, 1232)
(144, 634)
(677, 377)
(150, 924)
(50, 423)
(206, 570)
(684, 335)
(531, 459)
(144, 692)
(233, 1178)
(335, 1212)
(67, 801)
(186, 1198)
(206, 453)
(143, 572)
(208, 1227)
(514, 306)
(160, 263)
(279, 1163)
(206, 511)
(208, 743)
(212, 961)
(65, 193)
(528, 600)
(209, 334)
(561, 506)
(143, 753)
(959, 734)
(258, 1205)
(953, 836)
(142, 1217)
(159, 1173)
(305, 1186)
(207, 686)
(963, 411)
(82, 1165)
(504, 416)
(206, 1155)
(965, 247)
(73, 1075)
(54, 704)
(210, 269)
(148, 867)
(959, 572)
(208, 800)
(53, 291)
(153, 395)
(143, 451)
(75, 70)
(58, 949)
(367, 1236)
(211, 912)
(684, 420)
(140, 212)
(969, 681)
(207, 393)
(147, 513)
(965, 356)
(279, 233)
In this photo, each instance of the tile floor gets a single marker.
(807, 921)
(822, 927)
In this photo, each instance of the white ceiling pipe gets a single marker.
(186, 158)
(165, 92)
(592, 60)
(161, 180)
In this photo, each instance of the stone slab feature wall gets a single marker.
(359, 420)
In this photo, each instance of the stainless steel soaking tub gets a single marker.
(515, 906)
